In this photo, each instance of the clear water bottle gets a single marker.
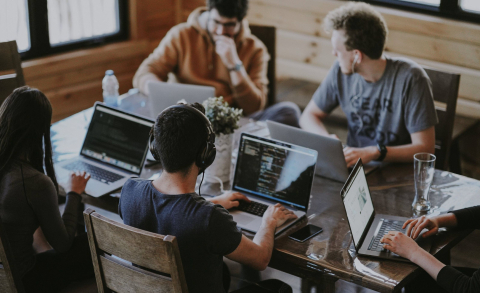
(110, 89)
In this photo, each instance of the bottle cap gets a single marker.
(109, 72)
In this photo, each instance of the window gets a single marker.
(470, 5)
(14, 23)
(467, 10)
(44, 27)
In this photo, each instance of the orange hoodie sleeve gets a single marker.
(160, 63)
(251, 93)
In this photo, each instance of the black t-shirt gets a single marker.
(205, 232)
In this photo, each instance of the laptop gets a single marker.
(368, 228)
(270, 172)
(330, 162)
(113, 150)
(164, 95)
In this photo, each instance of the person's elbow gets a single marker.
(261, 262)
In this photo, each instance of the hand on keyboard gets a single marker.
(229, 199)
(77, 182)
(400, 244)
(277, 215)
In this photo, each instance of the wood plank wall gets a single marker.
(304, 49)
(73, 81)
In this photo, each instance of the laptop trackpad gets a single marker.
(243, 219)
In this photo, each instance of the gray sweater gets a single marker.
(21, 218)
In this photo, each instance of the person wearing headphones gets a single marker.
(182, 139)
(387, 101)
(29, 202)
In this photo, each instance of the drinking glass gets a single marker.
(424, 168)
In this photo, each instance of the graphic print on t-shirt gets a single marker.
(365, 117)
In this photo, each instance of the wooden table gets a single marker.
(330, 255)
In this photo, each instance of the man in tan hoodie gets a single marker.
(215, 48)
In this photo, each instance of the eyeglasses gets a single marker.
(227, 26)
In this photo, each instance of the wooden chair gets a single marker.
(445, 92)
(9, 282)
(127, 259)
(11, 73)
(268, 35)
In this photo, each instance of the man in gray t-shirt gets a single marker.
(388, 101)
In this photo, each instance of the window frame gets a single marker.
(448, 9)
(40, 38)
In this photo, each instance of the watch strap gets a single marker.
(383, 152)
(237, 67)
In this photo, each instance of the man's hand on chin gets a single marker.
(229, 199)
(367, 154)
(227, 50)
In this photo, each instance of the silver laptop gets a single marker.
(270, 172)
(368, 228)
(331, 161)
(113, 151)
(164, 95)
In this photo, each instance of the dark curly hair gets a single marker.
(229, 8)
(180, 136)
(25, 118)
(365, 29)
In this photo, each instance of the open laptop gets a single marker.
(270, 172)
(330, 162)
(164, 95)
(113, 151)
(368, 228)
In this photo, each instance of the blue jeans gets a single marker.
(284, 112)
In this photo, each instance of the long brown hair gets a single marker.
(25, 118)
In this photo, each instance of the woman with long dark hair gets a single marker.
(28, 197)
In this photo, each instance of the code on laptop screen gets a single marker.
(117, 139)
(275, 170)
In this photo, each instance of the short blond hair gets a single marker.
(365, 28)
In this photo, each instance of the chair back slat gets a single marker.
(445, 92)
(11, 73)
(132, 244)
(127, 278)
(127, 259)
(268, 35)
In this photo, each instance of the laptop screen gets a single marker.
(275, 170)
(358, 203)
(117, 138)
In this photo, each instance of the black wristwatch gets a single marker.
(383, 151)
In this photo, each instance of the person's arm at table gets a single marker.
(422, 142)
(312, 120)
(249, 88)
(256, 253)
(448, 277)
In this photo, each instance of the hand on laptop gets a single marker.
(277, 215)
(415, 226)
(77, 181)
(400, 244)
(229, 199)
(367, 154)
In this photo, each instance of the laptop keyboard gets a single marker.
(386, 226)
(95, 172)
(253, 207)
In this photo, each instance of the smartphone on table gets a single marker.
(305, 233)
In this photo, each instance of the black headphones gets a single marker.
(206, 154)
